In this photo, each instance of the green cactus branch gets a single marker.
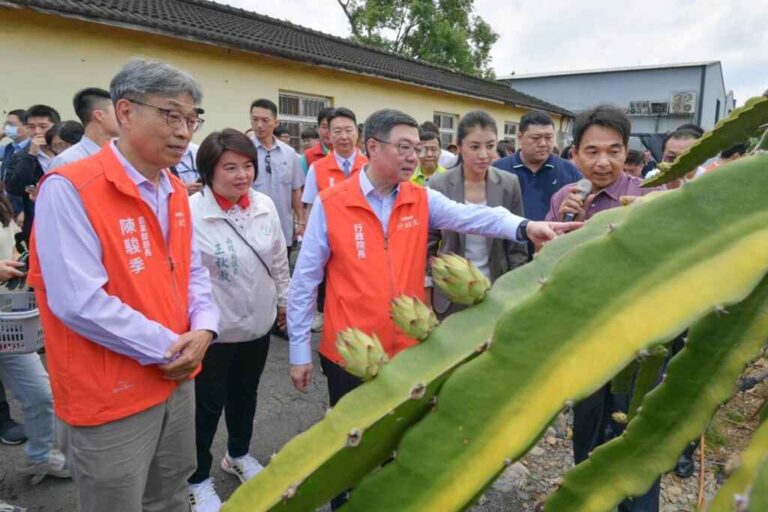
(748, 478)
(318, 464)
(738, 127)
(697, 381)
(668, 263)
(647, 377)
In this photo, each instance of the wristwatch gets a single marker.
(522, 231)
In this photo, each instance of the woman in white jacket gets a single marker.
(242, 245)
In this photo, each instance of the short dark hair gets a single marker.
(475, 119)
(68, 131)
(537, 118)
(425, 136)
(309, 133)
(736, 149)
(266, 104)
(379, 124)
(429, 126)
(43, 111)
(692, 127)
(280, 130)
(324, 114)
(566, 152)
(607, 116)
(342, 112)
(88, 100)
(680, 133)
(20, 113)
(215, 144)
(634, 157)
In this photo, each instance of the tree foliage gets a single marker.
(443, 32)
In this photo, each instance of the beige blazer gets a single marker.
(502, 188)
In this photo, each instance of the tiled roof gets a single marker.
(244, 30)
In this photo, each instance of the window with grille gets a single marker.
(447, 124)
(510, 131)
(298, 112)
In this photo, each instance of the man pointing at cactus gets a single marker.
(368, 237)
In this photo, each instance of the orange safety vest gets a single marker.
(368, 268)
(91, 384)
(314, 153)
(328, 173)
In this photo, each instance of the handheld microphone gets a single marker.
(585, 188)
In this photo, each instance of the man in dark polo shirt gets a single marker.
(541, 173)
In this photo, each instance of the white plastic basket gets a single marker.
(20, 329)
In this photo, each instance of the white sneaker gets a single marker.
(203, 497)
(56, 466)
(7, 507)
(317, 322)
(244, 468)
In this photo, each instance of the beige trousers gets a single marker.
(137, 464)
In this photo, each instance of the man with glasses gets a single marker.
(341, 163)
(429, 158)
(124, 299)
(368, 237)
(280, 176)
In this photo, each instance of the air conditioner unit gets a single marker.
(683, 103)
(659, 108)
(639, 108)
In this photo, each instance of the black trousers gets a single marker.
(229, 381)
(593, 426)
(339, 384)
(5, 411)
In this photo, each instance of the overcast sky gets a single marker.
(559, 35)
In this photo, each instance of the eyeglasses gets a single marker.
(174, 118)
(403, 148)
(430, 150)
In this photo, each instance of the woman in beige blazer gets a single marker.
(475, 181)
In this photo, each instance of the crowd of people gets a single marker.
(161, 268)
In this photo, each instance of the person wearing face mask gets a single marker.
(474, 181)
(31, 163)
(16, 130)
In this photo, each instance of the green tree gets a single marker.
(443, 32)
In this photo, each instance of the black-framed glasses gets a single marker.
(403, 148)
(174, 118)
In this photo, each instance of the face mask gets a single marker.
(12, 132)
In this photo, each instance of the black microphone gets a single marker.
(585, 188)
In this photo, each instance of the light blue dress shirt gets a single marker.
(83, 149)
(310, 186)
(444, 213)
(71, 263)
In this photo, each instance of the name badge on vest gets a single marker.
(359, 241)
(406, 222)
(136, 242)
